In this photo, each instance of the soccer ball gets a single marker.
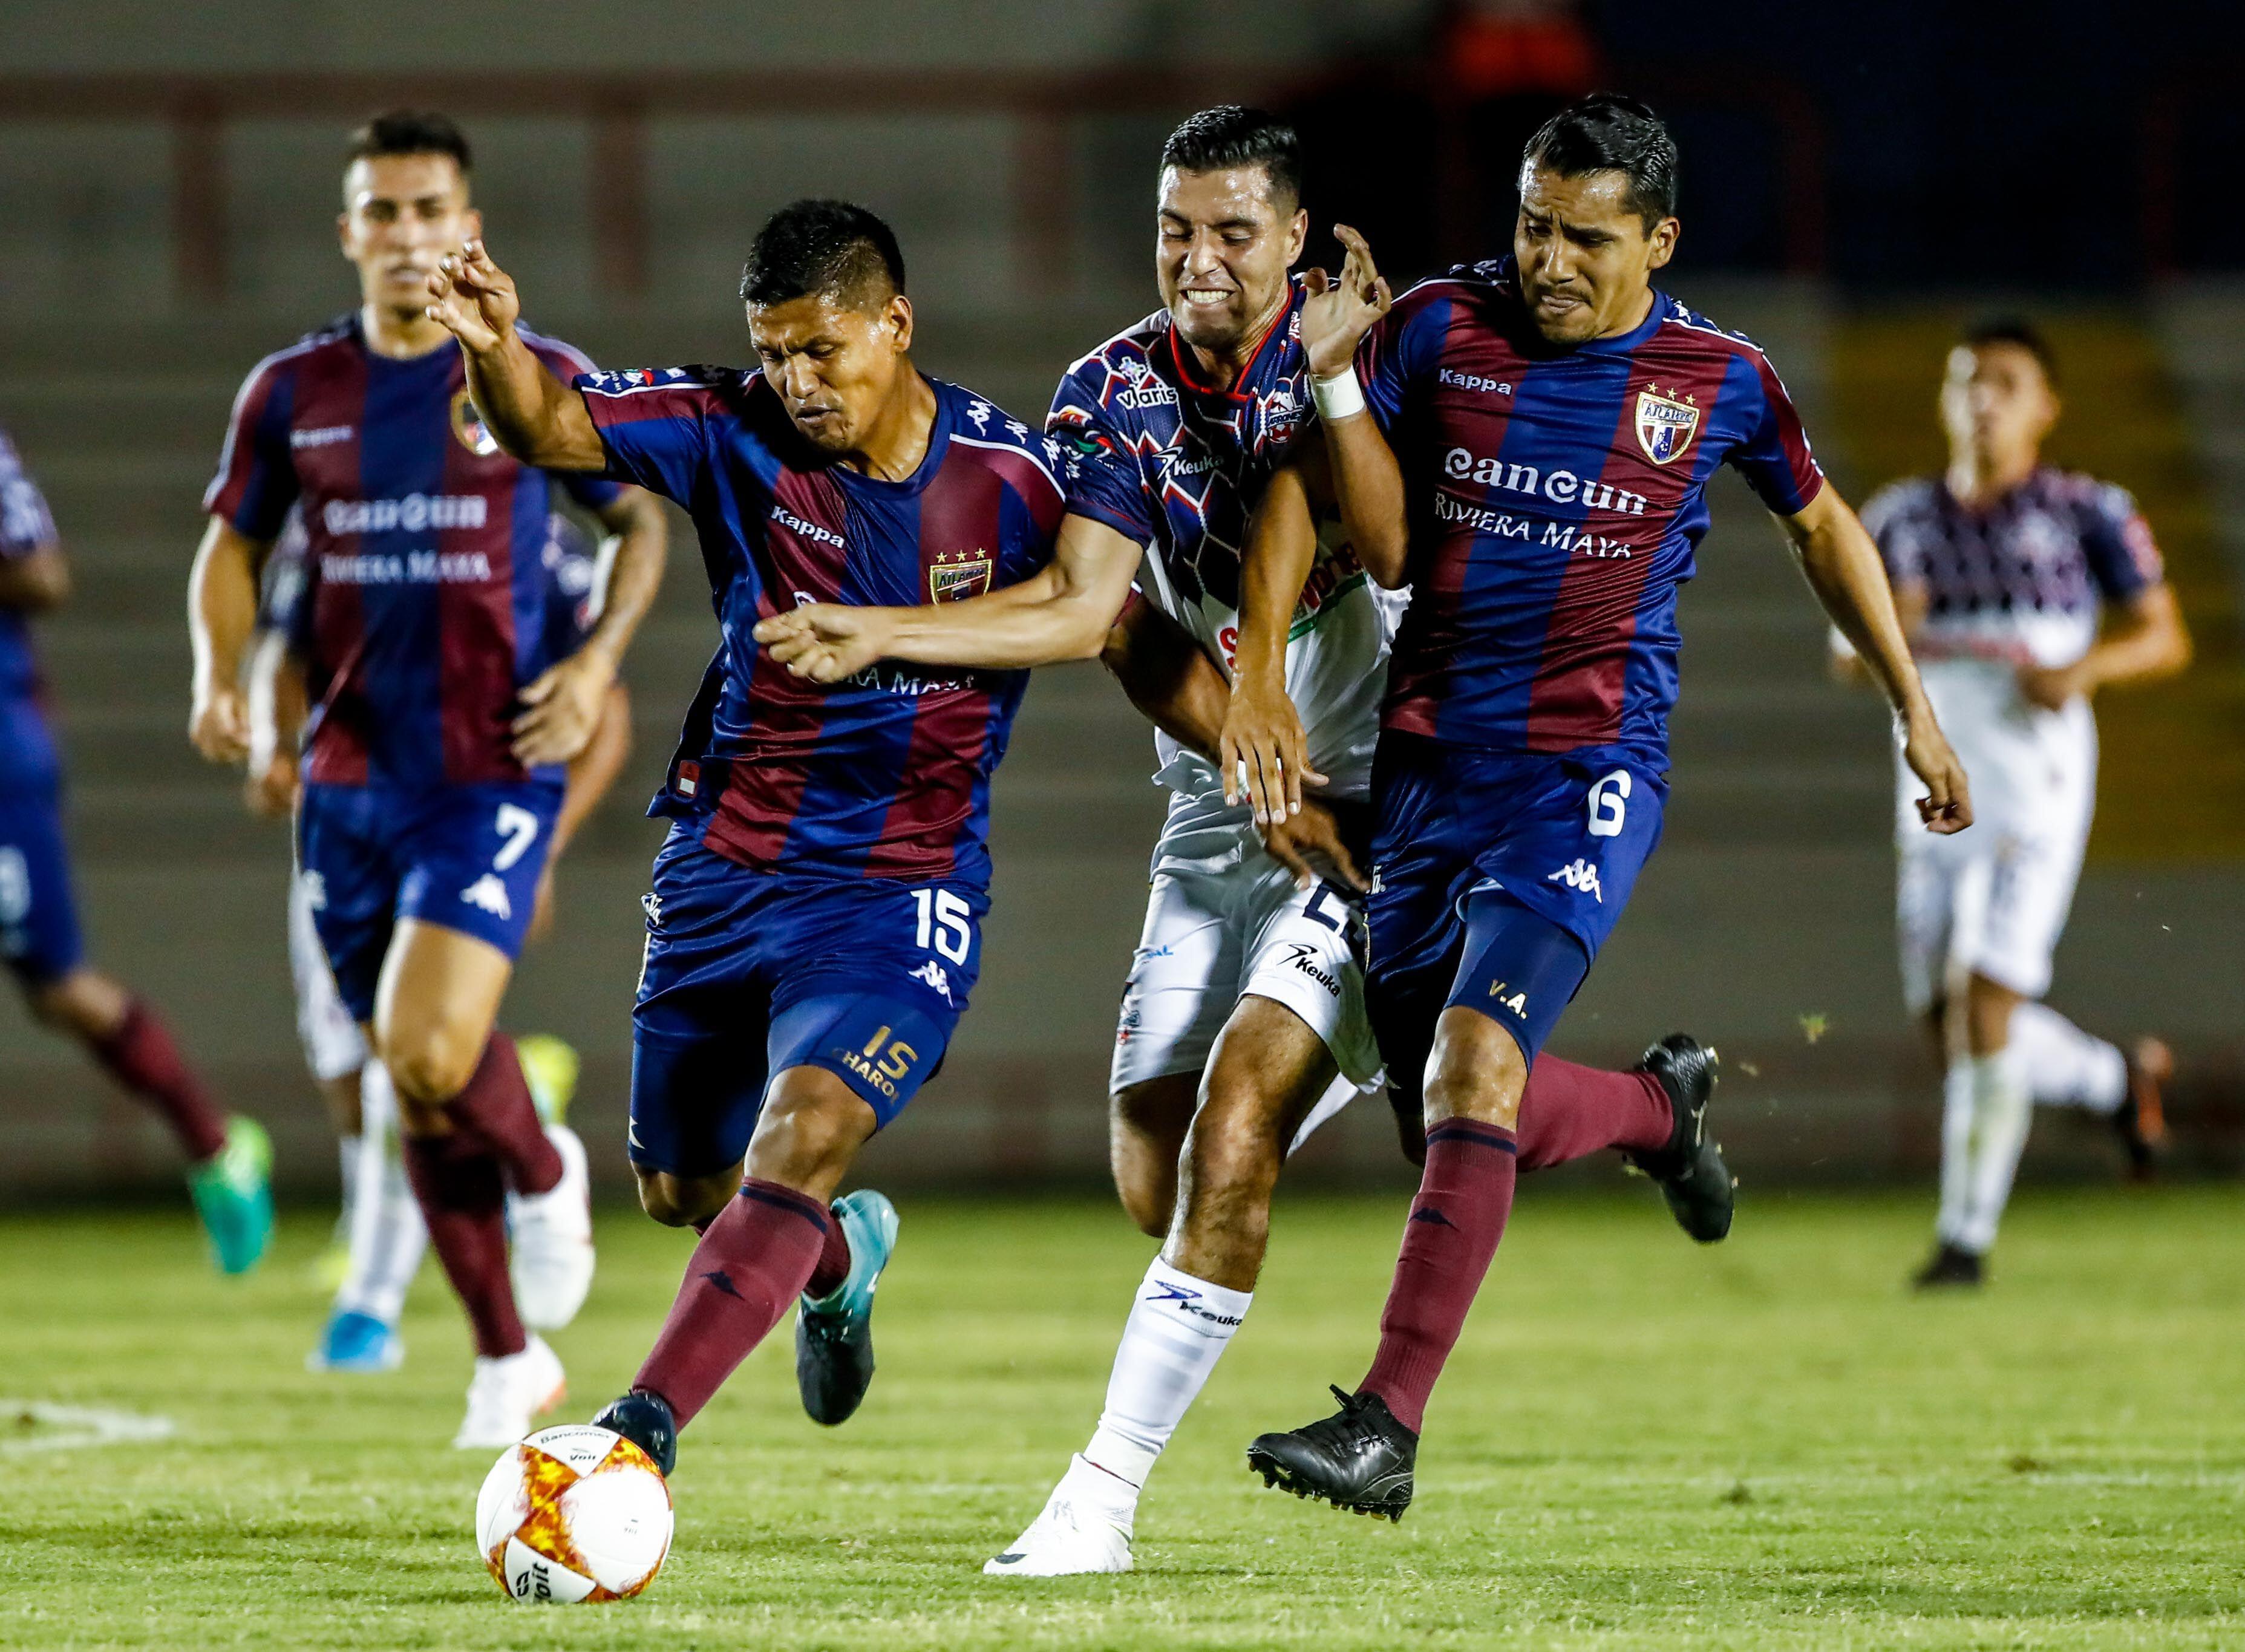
(573, 1514)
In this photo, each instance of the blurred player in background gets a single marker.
(440, 718)
(380, 1235)
(814, 928)
(1540, 431)
(2003, 570)
(1243, 1026)
(228, 1159)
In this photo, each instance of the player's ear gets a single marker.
(471, 225)
(1298, 235)
(898, 318)
(1663, 240)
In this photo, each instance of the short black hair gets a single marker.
(1607, 132)
(2013, 329)
(1234, 135)
(831, 248)
(410, 132)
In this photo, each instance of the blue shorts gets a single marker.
(1496, 878)
(39, 916)
(750, 973)
(468, 857)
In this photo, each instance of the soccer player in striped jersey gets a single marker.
(441, 720)
(228, 1159)
(1243, 1024)
(814, 931)
(2006, 570)
(1527, 444)
(380, 1233)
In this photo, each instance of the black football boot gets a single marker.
(2141, 1119)
(1361, 1459)
(1950, 1265)
(645, 1420)
(1698, 1185)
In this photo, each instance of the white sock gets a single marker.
(1178, 1330)
(2002, 1111)
(1956, 1153)
(349, 1151)
(2064, 1066)
(387, 1233)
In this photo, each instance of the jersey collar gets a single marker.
(1183, 357)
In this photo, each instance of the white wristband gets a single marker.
(1338, 397)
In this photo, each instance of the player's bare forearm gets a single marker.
(36, 583)
(1843, 568)
(633, 574)
(1062, 611)
(1263, 751)
(592, 772)
(1368, 486)
(1168, 677)
(2148, 641)
(221, 611)
(530, 413)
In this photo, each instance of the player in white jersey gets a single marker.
(2025, 589)
(381, 1237)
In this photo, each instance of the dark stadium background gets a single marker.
(1857, 180)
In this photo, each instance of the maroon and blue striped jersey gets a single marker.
(1556, 498)
(28, 764)
(426, 590)
(886, 774)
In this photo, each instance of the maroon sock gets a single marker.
(1465, 1194)
(463, 1199)
(140, 1056)
(747, 1271)
(833, 1261)
(496, 1106)
(1571, 1112)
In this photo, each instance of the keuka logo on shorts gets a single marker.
(1304, 959)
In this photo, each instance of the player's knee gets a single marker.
(1147, 1189)
(429, 1069)
(80, 1003)
(809, 1132)
(671, 1201)
(1477, 1071)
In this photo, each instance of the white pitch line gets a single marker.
(77, 1425)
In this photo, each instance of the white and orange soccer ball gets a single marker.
(573, 1514)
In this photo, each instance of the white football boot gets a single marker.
(507, 1394)
(1084, 1526)
(551, 1265)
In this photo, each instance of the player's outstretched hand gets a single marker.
(824, 642)
(219, 725)
(1263, 753)
(474, 298)
(1309, 845)
(1947, 806)
(565, 702)
(1338, 314)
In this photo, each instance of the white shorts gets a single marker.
(1992, 900)
(333, 1047)
(1216, 932)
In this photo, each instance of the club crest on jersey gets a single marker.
(958, 575)
(1665, 424)
(468, 426)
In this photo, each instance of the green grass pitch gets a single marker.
(1767, 1443)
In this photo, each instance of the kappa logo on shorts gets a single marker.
(651, 903)
(488, 894)
(1302, 957)
(316, 891)
(934, 974)
(1582, 876)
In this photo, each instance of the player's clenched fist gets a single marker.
(1338, 314)
(824, 642)
(474, 298)
(1947, 806)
